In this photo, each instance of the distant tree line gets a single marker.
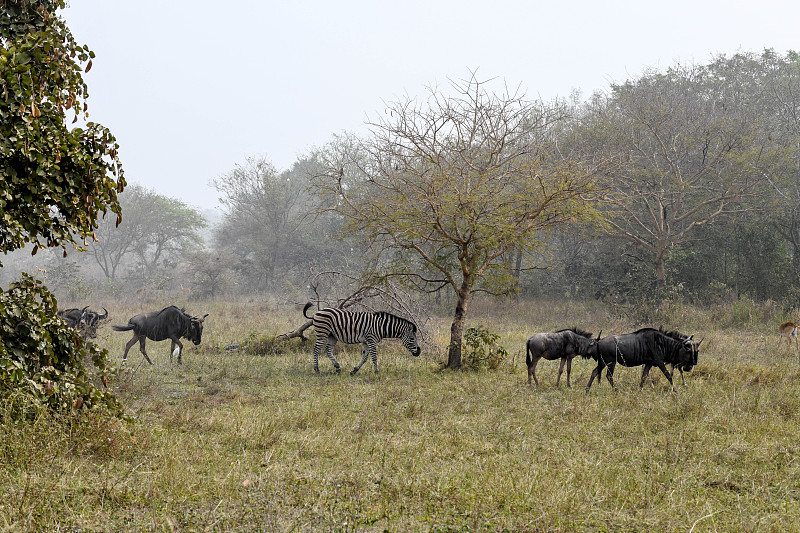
(685, 182)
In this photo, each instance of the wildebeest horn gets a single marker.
(105, 315)
(204, 317)
(701, 342)
(598, 335)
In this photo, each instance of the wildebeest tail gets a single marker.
(528, 360)
(309, 304)
(123, 328)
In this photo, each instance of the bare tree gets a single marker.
(445, 189)
(690, 157)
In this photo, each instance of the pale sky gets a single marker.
(192, 88)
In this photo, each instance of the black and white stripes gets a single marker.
(332, 325)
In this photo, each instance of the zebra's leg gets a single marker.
(329, 350)
(374, 347)
(317, 349)
(364, 357)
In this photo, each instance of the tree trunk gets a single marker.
(515, 272)
(661, 277)
(457, 328)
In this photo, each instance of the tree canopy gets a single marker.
(446, 189)
(56, 179)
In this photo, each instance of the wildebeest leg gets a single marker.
(532, 371)
(141, 348)
(569, 371)
(560, 371)
(664, 371)
(175, 342)
(610, 374)
(128, 347)
(598, 371)
(329, 350)
(645, 373)
(683, 379)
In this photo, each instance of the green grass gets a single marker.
(239, 441)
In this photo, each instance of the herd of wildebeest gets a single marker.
(646, 347)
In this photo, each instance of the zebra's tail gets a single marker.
(309, 304)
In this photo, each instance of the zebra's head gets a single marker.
(409, 339)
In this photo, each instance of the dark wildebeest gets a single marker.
(169, 323)
(84, 320)
(648, 347)
(694, 346)
(91, 320)
(74, 317)
(563, 344)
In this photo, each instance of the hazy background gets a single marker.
(190, 89)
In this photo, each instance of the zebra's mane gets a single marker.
(389, 316)
(577, 331)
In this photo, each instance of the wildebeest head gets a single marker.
(694, 352)
(195, 331)
(686, 356)
(591, 348)
(90, 320)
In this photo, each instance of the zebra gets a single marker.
(332, 325)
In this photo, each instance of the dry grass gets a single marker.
(252, 440)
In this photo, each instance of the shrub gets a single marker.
(42, 360)
(482, 350)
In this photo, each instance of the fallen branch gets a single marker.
(296, 333)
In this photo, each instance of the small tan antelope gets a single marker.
(789, 331)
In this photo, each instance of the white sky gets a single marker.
(191, 88)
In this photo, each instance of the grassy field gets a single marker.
(253, 440)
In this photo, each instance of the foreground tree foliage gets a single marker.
(54, 182)
(447, 190)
